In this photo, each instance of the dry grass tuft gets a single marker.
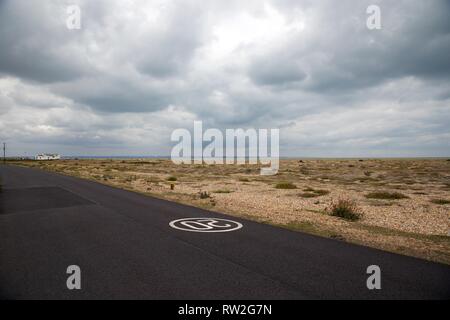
(386, 195)
(204, 195)
(285, 185)
(346, 209)
(440, 201)
(312, 193)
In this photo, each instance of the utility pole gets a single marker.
(4, 152)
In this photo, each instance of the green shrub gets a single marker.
(308, 195)
(312, 193)
(346, 209)
(321, 192)
(285, 185)
(222, 191)
(172, 178)
(386, 195)
(204, 195)
(440, 201)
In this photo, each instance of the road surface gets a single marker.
(126, 249)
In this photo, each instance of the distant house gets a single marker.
(48, 156)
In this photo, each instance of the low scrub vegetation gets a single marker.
(346, 209)
(312, 193)
(172, 178)
(285, 185)
(222, 191)
(204, 195)
(386, 195)
(440, 201)
(307, 195)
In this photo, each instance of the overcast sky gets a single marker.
(137, 70)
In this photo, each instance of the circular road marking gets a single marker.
(205, 225)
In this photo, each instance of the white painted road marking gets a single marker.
(205, 225)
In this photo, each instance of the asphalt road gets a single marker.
(126, 249)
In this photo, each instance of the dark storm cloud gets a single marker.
(33, 41)
(113, 94)
(345, 55)
(138, 69)
(168, 52)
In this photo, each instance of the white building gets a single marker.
(48, 156)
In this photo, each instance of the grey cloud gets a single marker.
(169, 51)
(344, 55)
(276, 72)
(121, 97)
(136, 70)
(33, 39)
